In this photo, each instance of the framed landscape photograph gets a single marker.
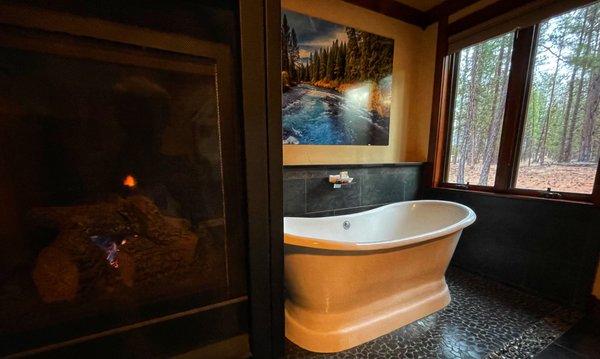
(336, 83)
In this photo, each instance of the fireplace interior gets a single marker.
(111, 196)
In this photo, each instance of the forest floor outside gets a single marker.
(578, 178)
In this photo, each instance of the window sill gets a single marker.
(570, 198)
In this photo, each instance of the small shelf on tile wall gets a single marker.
(341, 180)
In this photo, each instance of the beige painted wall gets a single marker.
(412, 87)
(416, 135)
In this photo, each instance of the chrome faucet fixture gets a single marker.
(340, 180)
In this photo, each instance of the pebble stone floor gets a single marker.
(485, 319)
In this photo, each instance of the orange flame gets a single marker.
(129, 181)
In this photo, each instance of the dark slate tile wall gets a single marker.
(308, 193)
(549, 248)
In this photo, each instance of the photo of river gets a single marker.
(317, 116)
(336, 83)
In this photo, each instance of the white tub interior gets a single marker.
(394, 222)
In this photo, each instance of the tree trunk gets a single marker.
(457, 122)
(576, 111)
(591, 105)
(464, 148)
(591, 110)
(569, 121)
(497, 114)
(541, 150)
(531, 123)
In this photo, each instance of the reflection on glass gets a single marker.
(112, 202)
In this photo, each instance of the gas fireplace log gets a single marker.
(133, 215)
(126, 242)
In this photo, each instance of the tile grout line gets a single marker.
(305, 193)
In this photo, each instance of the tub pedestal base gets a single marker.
(334, 332)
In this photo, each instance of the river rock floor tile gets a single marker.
(485, 319)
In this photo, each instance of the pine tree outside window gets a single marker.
(523, 111)
(561, 139)
(479, 99)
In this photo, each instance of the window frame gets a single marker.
(519, 83)
(454, 59)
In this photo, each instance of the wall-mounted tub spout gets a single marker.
(340, 180)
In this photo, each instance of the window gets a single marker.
(523, 111)
(561, 138)
(479, 97)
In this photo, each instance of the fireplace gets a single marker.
(112, 188)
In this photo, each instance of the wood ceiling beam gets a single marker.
(393, 9)
(489, 12)
(445, 9)
(411, 15)
(502, 7)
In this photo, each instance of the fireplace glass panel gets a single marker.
(111, 193)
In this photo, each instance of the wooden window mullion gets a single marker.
(596, 190)
(433, 173)
(515, 108)
(452, 64)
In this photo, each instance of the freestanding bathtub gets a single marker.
(353, 278)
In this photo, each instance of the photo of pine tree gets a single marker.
(336, 83)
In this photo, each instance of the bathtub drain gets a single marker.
(346, 224)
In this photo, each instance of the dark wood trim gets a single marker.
(394, 9)
(596, 191)
(433, 171)
(487, 13)
(453, 62)
(502, 7)
(254, 111)
(412, 15)
(275, 163)
(261, 81)
(446, 9)
(515, 107)
(466, 187)
(575, 198)
(564, 196)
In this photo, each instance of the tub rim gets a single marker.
(322, 243)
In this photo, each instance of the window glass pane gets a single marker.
(479, 101)
(561, 138)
